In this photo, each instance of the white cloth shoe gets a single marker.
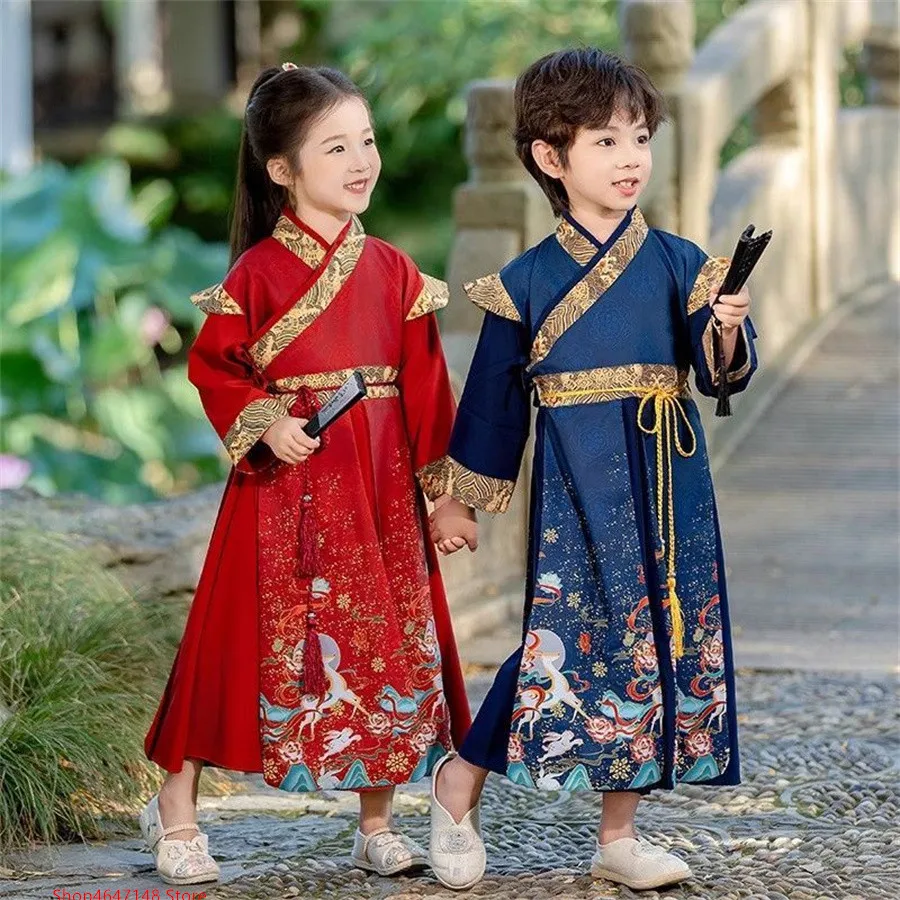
(386, 852)
(457, 852)
(177, 862)
(638, 864)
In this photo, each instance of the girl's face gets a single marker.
(606, 168)
(338, 164)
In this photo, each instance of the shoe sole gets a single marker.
(196, 879)
(458, 887)
(647, 884)
(417, 863)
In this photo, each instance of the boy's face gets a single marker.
(606, 169)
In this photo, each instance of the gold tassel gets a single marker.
(677, 618)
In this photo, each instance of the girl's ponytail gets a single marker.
(282, 105)
(257, 199)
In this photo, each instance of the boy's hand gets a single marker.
(453, 526)
(289, 442)
(732, 309)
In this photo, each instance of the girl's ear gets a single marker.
(547, 159)
(280, 172)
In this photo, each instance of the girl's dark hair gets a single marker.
(572, 89)
(282, 105)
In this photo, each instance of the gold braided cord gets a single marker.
(669, 418)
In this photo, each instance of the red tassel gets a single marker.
(308, 554)
(305, 406)
(314, 681)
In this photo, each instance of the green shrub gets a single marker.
(82, 665)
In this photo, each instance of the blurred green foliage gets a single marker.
(96, 273)
(94, 312)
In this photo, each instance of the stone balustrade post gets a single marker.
(658, 36)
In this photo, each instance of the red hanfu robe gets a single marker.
(338, 542)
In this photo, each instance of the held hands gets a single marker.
(731, 310)
(453, 525)
(289, 442)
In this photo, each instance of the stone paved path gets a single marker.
(810, 505)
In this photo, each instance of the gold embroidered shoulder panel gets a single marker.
(216, 300)
(489, 294)
(590, 289)
(710, 276)
(447, 476)
(435, 295)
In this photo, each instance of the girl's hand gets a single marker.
(453, 526)
(732, 309)
(289, 442)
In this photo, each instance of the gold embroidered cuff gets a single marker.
(489, 294)
(709, 353)
(447, 476)
(435, 295)
(216, 299)
(251, 424)
(710, 276)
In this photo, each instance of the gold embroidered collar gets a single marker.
(593, 285)
(304, 243)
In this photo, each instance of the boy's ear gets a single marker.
(547, 159)
(279, 171)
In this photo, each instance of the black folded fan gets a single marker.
(746, 255)
(347, 395)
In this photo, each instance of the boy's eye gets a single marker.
(644, 139)
(606, 142)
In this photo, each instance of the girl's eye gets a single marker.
(338, 149)
(370, 142)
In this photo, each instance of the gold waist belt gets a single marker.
(379, 382)
(661, 413)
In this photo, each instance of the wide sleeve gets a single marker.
(219, 367)
(492, 423)
(701, 275)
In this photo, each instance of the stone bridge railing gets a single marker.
(825, 178)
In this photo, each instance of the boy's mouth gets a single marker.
(358, 187)
(627, 186)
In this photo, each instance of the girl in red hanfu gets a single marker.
(318, 649)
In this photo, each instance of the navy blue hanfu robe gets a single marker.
(624, 680)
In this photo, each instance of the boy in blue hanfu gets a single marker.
(624, 681)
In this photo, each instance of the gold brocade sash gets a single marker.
(661, 390)
(380, 382)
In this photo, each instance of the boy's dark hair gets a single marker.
(572, 89)
(282, 106)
